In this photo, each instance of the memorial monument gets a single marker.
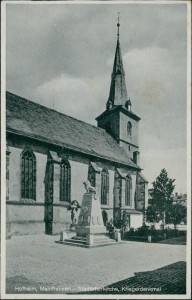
(90, 230)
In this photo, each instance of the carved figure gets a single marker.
(88, 187)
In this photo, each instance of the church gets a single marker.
(49, 155)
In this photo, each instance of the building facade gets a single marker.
(49, 155)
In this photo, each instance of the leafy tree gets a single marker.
(162, 197)
(178, 214)
(152, 214)
(122, 221)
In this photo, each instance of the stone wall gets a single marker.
(110, 123)
(15, 174)
(133, 139)
(28, 217)
(25, 218)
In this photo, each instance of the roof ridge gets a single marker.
(78, 134)
(98, 128)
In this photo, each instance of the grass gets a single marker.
(181, 240)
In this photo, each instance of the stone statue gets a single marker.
(88, 187)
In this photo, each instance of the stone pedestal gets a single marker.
(90, 220)
(90, 230)
(63, 235)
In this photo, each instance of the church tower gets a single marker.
(118, 119)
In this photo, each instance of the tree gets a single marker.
(178, 214)
(162, 196)
(152, 214)
(122, 221)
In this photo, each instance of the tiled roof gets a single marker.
(33, 120)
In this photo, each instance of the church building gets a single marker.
(49, 155)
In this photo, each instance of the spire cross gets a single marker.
(118, 25)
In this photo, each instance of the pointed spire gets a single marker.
(118, 90)
(118, 25)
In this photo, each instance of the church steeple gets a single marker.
(118, 119)
(118, 90)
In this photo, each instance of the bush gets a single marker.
(171, 232)
(157, 234)
(182, 232)
(143, 231)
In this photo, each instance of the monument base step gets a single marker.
(79, 238)
(76, 241)
(97, 241)
(84, 245)
(72, 243)
(97, 238)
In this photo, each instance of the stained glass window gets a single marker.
(128, 191)
(104, 186)
(28, 175)
(65, 181)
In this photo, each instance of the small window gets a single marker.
(129, 129)
(104, 186)
(65, 181)
(28, 175)
(135, 155)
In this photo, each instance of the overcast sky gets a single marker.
(63, 54)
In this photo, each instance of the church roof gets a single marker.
(33, 120)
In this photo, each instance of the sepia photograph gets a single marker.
(95, 150)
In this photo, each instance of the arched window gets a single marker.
(129, 128)
(65, 181)
(128, 191)
(104, 186)
(28, 175)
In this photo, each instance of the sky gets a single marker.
(61, 56)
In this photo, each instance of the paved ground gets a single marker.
(41, 265)
(170, 279)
